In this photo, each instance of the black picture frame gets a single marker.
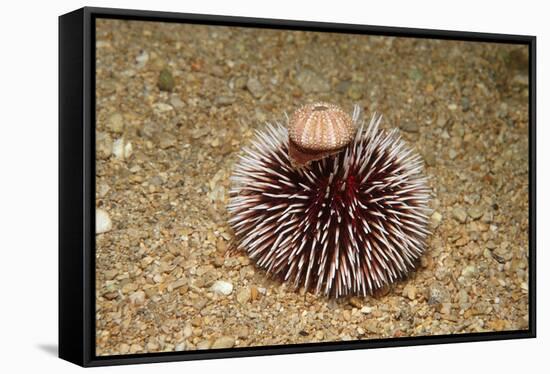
(77, 187)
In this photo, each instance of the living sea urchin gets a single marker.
(346, 224)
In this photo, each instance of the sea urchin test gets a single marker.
(330, 203)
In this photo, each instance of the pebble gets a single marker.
(436, 219)
(137, 297)
(162, 107)
(110, 274)
(452, 154)
(310, 81)
(366, 310)
(469, 272)
(222, 288)
(167, 140)
(243, 296)
(166, 80)
(180, 347)
(224, 100)
(475, 212)
(430, 159)
(187, 330)
(410, 292)
(224, 342)
(103, 222)
(123, 348)
(177, 284)
(254, 293)
(409, 126)
(115, 123)
(355, 91)
(460, 214)
(120, 150)
(255, 87)
(204, 344)
(134, 348)
(103, 145)
(438, 294)
(452, 107)
(142, 59)
(176, 102)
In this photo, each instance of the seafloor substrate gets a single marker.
(166, 148)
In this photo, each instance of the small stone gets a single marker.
(224, 100)
(103, 145)
(102, 221)
(110, 274)
(469, 272)
(430, 159)
(176, 102)
(242, 332)
(118, 149)
(366, 310)
(167, 140)
(243, 296)
(137, 297)
(110, 295)
(134, 348)
(438, 294)
(255, 87)
(436, 219)
(319, 335)
(355, 91)
(162, 107)
(410, 292)
(128, 150)
(452, 154)
(224, 342)
(180, 347)
(475, 212)
(204, 344)
(222, 288)
(177, 284)
(115, 123)
(254, 293)
(103, 189)
(142, 59)
(240, 82)
(123, 348)
(460, 214)
(462, 241)
(187, 330)
(409, 126)
(166, 80)
(452, 107)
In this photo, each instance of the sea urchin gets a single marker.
(347, 224)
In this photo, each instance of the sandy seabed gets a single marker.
(176, 104)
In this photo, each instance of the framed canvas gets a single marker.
(235, 186)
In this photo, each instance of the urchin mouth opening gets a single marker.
(320, 108)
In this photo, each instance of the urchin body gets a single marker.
(347, 224)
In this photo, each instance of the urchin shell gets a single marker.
(348, 224)
(320, 127)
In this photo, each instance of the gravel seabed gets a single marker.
(175, 105)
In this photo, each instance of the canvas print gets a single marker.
(263, 187)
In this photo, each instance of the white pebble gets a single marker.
(137, 297)
(222, 288)
(102, 221)
(128, 150)
(118, 149)
(366, 310)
